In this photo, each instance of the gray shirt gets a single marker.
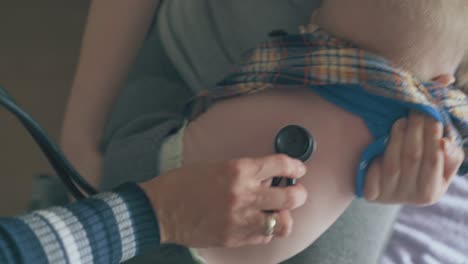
(203, 37)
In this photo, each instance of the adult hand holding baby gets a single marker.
(225, 204)
(417, 166)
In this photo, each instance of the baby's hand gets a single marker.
(417, 166)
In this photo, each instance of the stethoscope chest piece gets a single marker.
(296, 142)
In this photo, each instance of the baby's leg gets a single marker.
(247, 126)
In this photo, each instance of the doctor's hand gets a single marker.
(223, 204)
(417, 166)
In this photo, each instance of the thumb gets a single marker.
(453, 158)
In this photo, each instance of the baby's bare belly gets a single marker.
(246, 127)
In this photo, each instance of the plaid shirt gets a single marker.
(316, 58)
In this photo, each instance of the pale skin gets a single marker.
(99, 77)
(230, 214)
(462, 75)
(416, 168)
(404, 42)
(416, 148)
(114, 32)
(409, 172)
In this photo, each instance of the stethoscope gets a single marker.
(292, 140)
(72, 180)
(296, 142)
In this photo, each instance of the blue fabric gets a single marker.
(378, 113)
(145, 225)
(18, 244)
(32, 238)
(102, 230)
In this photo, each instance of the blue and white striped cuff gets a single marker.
(108, 228)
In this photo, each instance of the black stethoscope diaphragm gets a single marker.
(296, 142)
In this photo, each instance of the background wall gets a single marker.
(39, 45)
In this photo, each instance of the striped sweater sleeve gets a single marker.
(107, 228)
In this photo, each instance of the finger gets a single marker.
(255, 229)
(412, 155)
(391, 162)
(445, 79)
(279, 165)
(278, 199)
(258, 239)
(372, 184)
(453, 158)
(284, 224)
(283, 227)
(430, 178)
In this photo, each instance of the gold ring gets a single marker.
(270, 224)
